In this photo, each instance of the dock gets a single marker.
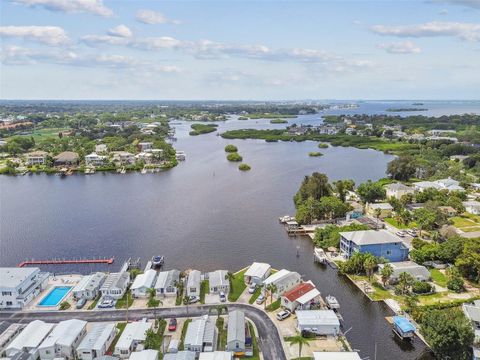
(66, 261)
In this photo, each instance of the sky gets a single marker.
(245, 50)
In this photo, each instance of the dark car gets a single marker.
(172, 325)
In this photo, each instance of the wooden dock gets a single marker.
(66, 261)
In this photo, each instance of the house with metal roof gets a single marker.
(142, 283)
(319, 322)
(323, 355)
(19, 286)
(9, 334)
(301, 297)
(380, 243)
(193, 283)
(30, 338)
(134, 333)
(419, 272)
(257, 273)
(218, 281)
(89, 286)
(283, 280)
(166, 284)
(181, 355)
(397, 190)
(115, 284)
(63, 340)
(97, 341)
(144, 355)
(201, 335)
(236, 332)
(216, 355)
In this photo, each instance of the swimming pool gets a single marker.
(55, 296)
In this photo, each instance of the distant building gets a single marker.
(115, 284)
(101, 148)
(236, 332)
(448, 210)
(133, 334)
(18, 286)
(145, 146)
(397, 190)
(257, 273)
(142, 283)
(66, 158)
(193, 283)
(284, 280)
(97, 341)
(166, 284)
(89, 286)
(63, 340)
(218, 281)
(472, 207)
(123, 157)
(201, 336)
(36, 158)
(442, 184)
(29, 339)
(95, 159)
(318, 322)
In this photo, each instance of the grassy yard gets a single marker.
(255, 295)
(93, 305)
(120, 328)
(204, 289)
(40, 134)
(237, 286)
(184, 332)
(274, 306)
(396, 224)
(122, 303)
(155, 340)
(438, 277)
(379, 292)
(222, 333)
(467, 222)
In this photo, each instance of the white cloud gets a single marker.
(475, 4)
(404, 47)
(93, 40)
(120, 31)
(94, 7)
(443, 12)
(153, 18)
(464, 31)
(49, 35)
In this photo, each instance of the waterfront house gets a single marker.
(95, 159)
(142, 283)
(18, 286)
(145, 146)
(36, 157)
(167, 282)
(115, 284)
(472, 207)
(422, 185)
(97, 341)
(343, 355)
(236, 332)
(301, 297)
(146, 157)
(380, 243)
(216, 355)
(63, 340)
(318, 322)
(201, 336)
(144, 355)
(257, 273)
(101, 148)
(9, 334)
(123, 157)
(384, 208)
(181, 355)
(419, 272)
(397, 190)
(193, 283)
(89, 286)
(442, 184)
(134, 334)
(283, 280)
(66, 158)
(29, 339)
(218, 281)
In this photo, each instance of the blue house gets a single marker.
(376, 242)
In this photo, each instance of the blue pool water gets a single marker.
(55, 296)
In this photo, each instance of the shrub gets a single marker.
(420, 287)
(278, 121)
(231, 148)
(322, 145)
(244, 167)
(456, 284)
(65, 305)
(315, 153)
(234, 157)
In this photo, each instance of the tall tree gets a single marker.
(371, 191)
(300, 341)
(402, 168)
(385, 273)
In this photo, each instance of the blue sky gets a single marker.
(94, 49)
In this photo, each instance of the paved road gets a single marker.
(268, 338)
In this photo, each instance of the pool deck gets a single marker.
(59, 280)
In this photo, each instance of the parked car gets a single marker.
(172, 324)
(223, 298)
(193, 299)
(282, 315)
(81, 303)
(252, 289)
(260, 299)
(400, 233)
(106, 303)
(412, 233)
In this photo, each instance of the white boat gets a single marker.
(157, 261)
(319, 256)
(286, 218)
(144, 171)
(332, 302)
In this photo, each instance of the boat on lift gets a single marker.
(157, 261)
(332, 302)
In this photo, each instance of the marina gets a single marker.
(108, 261)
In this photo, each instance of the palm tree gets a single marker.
(405, 280)
(300, 341)
(435, 235)
(272, 288)
(378, 212)
(369, 264)
(386, 272)
(152, 302)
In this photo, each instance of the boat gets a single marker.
(158, 260)
(286, 218)
(319, 256)
(144, 171)
(332, 302)
(123, 171)
(403, 327)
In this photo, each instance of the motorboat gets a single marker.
(332, 302)
(158, 260)
(403, 327)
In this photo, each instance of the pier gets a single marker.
(66, 261)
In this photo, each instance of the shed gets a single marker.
(319, 322)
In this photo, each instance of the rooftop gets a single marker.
(193, 278)
(398, 186)
(31, 336)
(216, 355)
(181, 355)
(381, 206)
(135, 331)
(90, 282)
(279, 275)
(167, 278)
(472, 312)
(64, 333)
(97, 336)
(116, 280)
(299, 291)
(336, 356)
(13, 277)
(370, 237)
(257, 269)
(144, 280)
(317, 317)
(144, 355)
(236, 326)
(218, 278)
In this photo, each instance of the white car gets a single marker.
(260, 299)
(282, 315)
(223, 298)
(400, 233)
(252, 289)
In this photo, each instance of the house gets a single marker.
(422, 185)
(301, 297)
(89, 286)
(123, 157)
(95, 159)
(36, 158)
(63, 340)
(419, 272)
(236, 332)
(380, 243)
(472, 207)
(216, 355)
(181, 355)
(133, 334)
(66, 158)
(257, 273)
(318, 322)
(9, 334)
(397, 190)
(385, 210)
(193, 283)
(167, 281)
(115, 284)
(97, 341)
(146, 157)
(18, 286)
(442, 184)
(322, 355)
(144, 355)
(101, 148)
(145, 146)
(472, 312)
(448, 210)
(201, 336)
(143, 283)
(218, 281)
(29, 339)
(283, 280)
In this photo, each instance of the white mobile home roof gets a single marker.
(97, 336)
(133, 331)
(195, 332)
(90, 282)
(193, 278)
(144, 280)
(31, 336)
(181, 355)
(305, 298)
(116, 280)
(216, 355)
(144, 355)
(167, 278)
(257, 270)
(236, 326)
(64, 333)
(12, 277)
(336, 356)
(218, 278)
(371, 237)
(314, 318)
(278, 276)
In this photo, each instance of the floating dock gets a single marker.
(66, 261)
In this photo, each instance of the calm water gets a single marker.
(204, 214)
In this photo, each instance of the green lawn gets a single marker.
(40, 134)
(237, 286)
(204, 289)
(120, 328)
(122, 303)
(255, 295)
(467, 222)
(396, 224)
(274, 306)
(379, 292)
(93, 305)
(222, 333)
(184, 332)
(438, 277)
